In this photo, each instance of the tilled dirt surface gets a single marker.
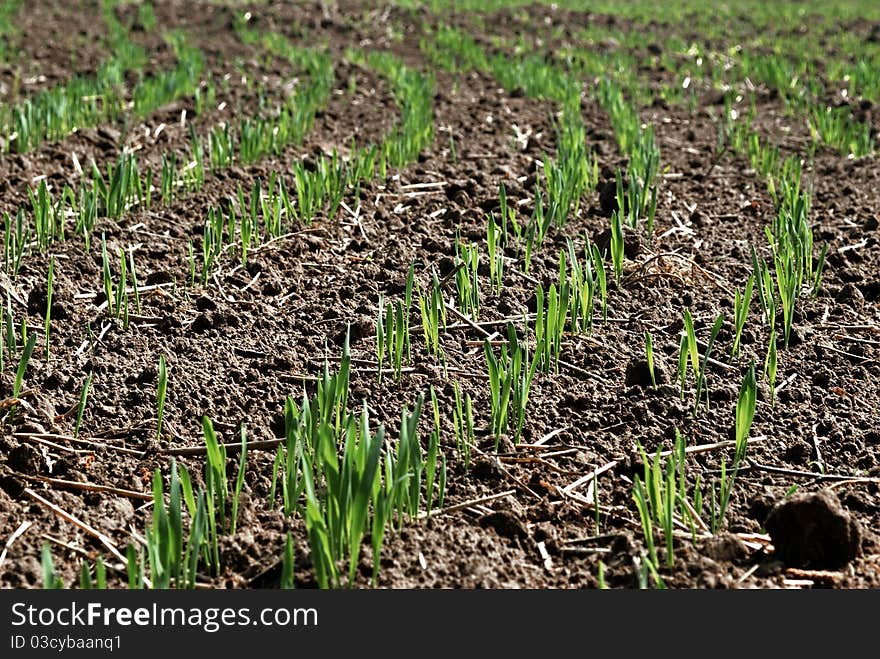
(239, 346)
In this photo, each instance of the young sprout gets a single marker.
(467, 280)
(600, 576)
(15, 240)
(508, 215)
(396, 345)
(173, 556)
(433, 312)
(496, 255)
(820, 266)
(22, 364)
(9, 327)
(741, 304)
(222, 147)
(239, 480)
(337, 517)
(788, 286)
(510, 379)
(662, 490)
(652, 212)
(134, 282)
(51, 580)
(121, 304)
(766, 294)
(584, 282)
(770, 366)
(390, 336)
(409, 465)
(287, 582)
(407, 306)
(540, 219)
(617, 245)
(463, 425)
(380, 336)
(691, 336)
(432, 477)
(134, 568)
(550, 324)
(85, 579)
(701, 373)
(160, 396)
(661, 497)
(108, 279)
(745, 411)
(689, 349)
(530, 233)
(49, 285)
(646, 517)
(168, 179)
(599, 267)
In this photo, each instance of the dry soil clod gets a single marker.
(814, 531)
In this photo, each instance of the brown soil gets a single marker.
(51, 43)
(237, 348)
